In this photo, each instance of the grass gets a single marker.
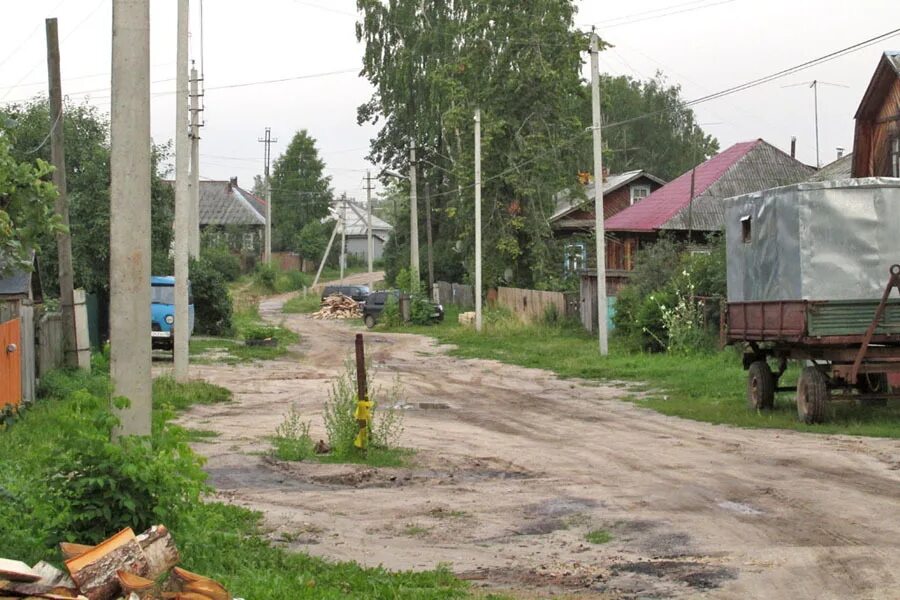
(225, 542)
(598, 536)
(301, 304)
(707, 387)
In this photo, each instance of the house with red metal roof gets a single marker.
(690, 207)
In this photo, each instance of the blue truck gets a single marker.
(162, 311)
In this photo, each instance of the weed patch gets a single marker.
(598, 536)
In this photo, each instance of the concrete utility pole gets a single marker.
(58, 158)
(343, 221)
(129, 221)
(195, 165)
(327, 252)
(181, 330)
(599, 229)
(478, 319)
(413, 219)
(370, 242)
(428, 251)
(267, 140)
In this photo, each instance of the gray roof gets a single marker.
(764, 166)
(356, 224)
(566, 203)
(15, 285)
(839, 169)
(224, 203)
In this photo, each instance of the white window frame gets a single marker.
(636, 188)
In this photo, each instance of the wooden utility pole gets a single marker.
(267, 141)
(429, 255)
(58, 159)
(413, 220)
(370, 242)
(129, 221)
(599, 229)
(181, 329)
(478, 319)
(195, 165)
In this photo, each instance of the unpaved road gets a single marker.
(521, 464)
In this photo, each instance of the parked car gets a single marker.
(162, 311)
(357, 292)
(374, 306)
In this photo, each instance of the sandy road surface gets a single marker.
(521, 464)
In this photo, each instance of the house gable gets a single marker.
(876, 141)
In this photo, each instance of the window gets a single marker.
(639, 192)
(575, 257)
(746, 232)
(248, 241)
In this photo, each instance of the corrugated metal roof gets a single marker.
(839, 169)
(566, 203)
(356, 223)
(222, 203)
(744, 167)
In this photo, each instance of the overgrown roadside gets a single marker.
(515, 468)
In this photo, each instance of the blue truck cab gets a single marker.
(162, 311)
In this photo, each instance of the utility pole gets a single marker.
(325, 256)
(195, 164)
(268, 141)
(599, 229)
(815, 87)
(181, 330)
(58, 158)
(343, 234)
(370, 242)
(478, 320)
(430, 257)
(413, 220)
(129, 220)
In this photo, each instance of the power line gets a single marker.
(630, 21)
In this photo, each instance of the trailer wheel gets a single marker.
(812, 396)
(873, 383)
(760, 386)
(369, 321)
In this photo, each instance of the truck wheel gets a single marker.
(369, 321)
(873, 383)
(812, 396)
(760, 386)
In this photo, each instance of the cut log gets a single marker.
(95, 571)
(16, 570)
(52, 576)
(159, 548)
(70, 550)
(35, 590)
(135, 584)
(337, 306)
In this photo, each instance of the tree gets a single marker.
(432, 64)
(658, 133)
(300, 191)
(26, 209)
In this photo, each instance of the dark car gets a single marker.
(357, 292)
(374, 306)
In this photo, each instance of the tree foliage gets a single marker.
(301, 193)
(26, 209)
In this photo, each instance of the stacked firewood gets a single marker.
(125, 566)
(338, 306)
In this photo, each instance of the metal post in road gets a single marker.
(599, 229)
(129, 220)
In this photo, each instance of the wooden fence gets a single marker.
(533, 305)
(51, 352)
(454, 294)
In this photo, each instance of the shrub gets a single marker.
(212, 301)
(260, 332)
(221, 259)
(266, 277)
(390, 315)
(420, 309)
(292, 441)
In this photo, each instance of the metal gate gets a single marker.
(10, 364)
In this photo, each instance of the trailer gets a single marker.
(811, 271)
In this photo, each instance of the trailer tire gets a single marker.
(873, 383)
(760, 386)
(369, 321)
(812, 396)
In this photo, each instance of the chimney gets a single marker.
(840, 151)
(233, 182)
(793, 146)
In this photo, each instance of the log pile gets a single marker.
(125, 566)
(338, 306)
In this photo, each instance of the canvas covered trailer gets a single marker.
(810, 271)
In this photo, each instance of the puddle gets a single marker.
(738, 507)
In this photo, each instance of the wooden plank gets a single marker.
(16, 570)
(10, 363)
(29, 356)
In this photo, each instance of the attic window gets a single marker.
(746, 230)
(639, 192)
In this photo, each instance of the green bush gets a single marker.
(420, 309)
(260, 332)
(292, 441)
(266, 277)
(212, 300)
(390, 315)
(221, 259)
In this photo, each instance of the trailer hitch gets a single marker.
(893, 282)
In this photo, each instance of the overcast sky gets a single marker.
(704, 45)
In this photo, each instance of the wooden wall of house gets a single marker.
(874, 138)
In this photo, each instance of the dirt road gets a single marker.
(520, 465)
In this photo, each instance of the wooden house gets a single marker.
(876, 143)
